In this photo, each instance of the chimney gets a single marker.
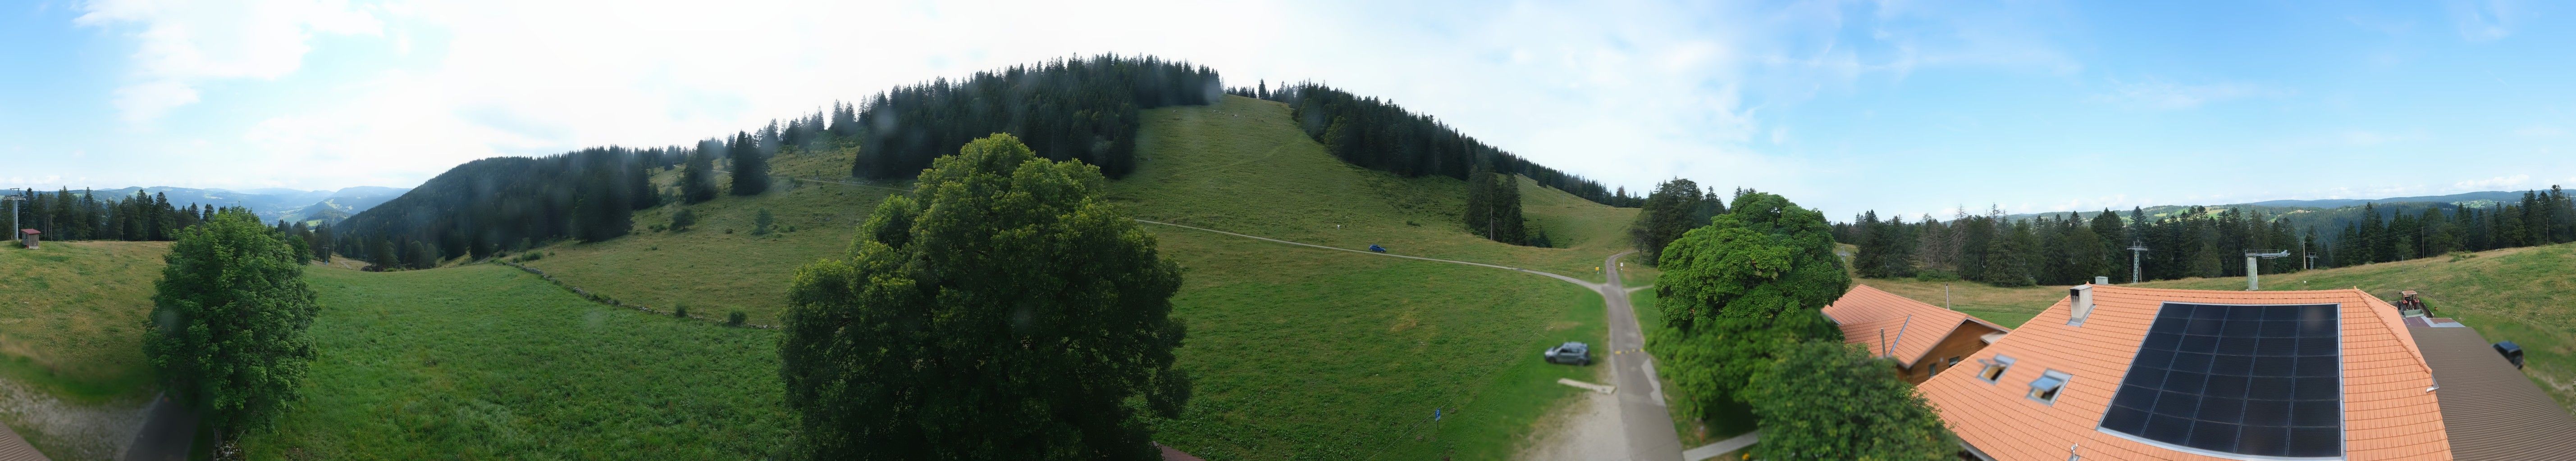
(2079, 304)
(2101, 280)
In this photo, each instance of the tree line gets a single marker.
(500, 204)
(1079, 109)
(1380, 135)
(65, 214)
(1675, 207)
(2072, 248)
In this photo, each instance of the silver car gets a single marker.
(1572, 352)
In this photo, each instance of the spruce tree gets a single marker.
(750, 166)
(697, 181)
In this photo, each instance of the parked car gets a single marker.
(1572, 352)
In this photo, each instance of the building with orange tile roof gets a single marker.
(1909, 331)
(2122, 373)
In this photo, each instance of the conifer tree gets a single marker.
(750, 166)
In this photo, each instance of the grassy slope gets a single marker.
(1242, 166)
(2522, 295)
(412, 367)
(710, 270)
(72, 319)
(1305, 353)
(71, 327)
(1298, 352)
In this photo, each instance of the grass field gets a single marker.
(718, 265)
(2524, 295)
(1299, 353)
(1302, 353)
(487, 362)
(71, 343)
(72, 323)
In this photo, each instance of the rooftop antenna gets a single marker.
(2254, 277)
(2136, 249)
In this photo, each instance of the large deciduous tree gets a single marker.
(1002, 310)
(228, 319)
(1751, 282)
(1829, 400)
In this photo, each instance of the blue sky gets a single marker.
(1903, 107)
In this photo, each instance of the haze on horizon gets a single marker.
(1893, 106)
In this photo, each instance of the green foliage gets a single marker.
(475, 208)
(697, 174)
(760, 224)
(736, 318)
(1375, 134)
(1493, 207)
(1003, 311)
(1827, 400)
(683, 219)
(1749, 283)
(1675, 207)
(1075, 109)
(228, 322)
(750, 165)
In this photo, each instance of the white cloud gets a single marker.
(2157, 93)
(147, 101)
(2495, 183)
(182, 43)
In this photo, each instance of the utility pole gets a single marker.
(13, 200)
(2135, 250)
(2254, 276)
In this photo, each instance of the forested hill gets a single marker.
(1079, 109)
(1379, 135)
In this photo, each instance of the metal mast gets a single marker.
(2135, 250)
(2253, 275)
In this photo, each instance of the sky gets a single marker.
(1897, 106)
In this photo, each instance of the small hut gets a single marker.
(27, 237)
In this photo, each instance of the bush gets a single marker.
(1829, 400)
(736, 319)
(681, 220)
(760, 224)
(1935, 275)
(680, 310)
(2458, 256)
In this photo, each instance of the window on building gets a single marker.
(2046, 388)
(1994, 368)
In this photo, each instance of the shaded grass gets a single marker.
(413, 367)
(1314, 354)
(2524, 295)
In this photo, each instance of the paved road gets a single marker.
(167, 430)
(1648, 423)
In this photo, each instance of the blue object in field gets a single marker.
(1374, 247)
(1435, 414)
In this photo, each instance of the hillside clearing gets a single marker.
(413, 367)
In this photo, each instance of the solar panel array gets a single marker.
(2251, 380)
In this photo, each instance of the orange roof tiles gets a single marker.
(2390, 411)
(1915, 327)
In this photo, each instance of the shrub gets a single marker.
(680, 310)
(736, 318)
(1936, 275)
(681, 220)
(760, 224)
(2458, 256)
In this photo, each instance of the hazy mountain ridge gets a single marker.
(274, 204)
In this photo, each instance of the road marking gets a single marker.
(1601, 388)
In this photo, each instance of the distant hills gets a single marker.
(275, 204)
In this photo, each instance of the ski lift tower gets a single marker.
(13, 200)
(2253, 275)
